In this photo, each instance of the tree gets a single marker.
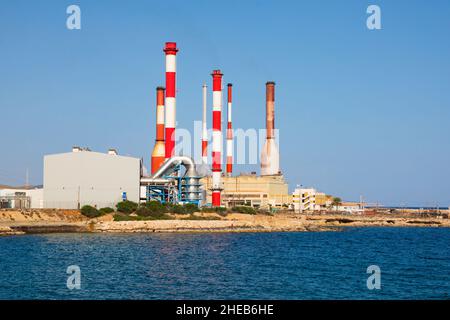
(336, 202)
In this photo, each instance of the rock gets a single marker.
(7, 231)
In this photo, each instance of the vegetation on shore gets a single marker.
(154, 210)
(151, 210)
(92, 212)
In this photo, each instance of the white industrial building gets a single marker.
(20, 198)
(83, 177)
(309, 199)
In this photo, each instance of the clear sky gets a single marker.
(360, 112)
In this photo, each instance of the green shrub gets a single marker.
(143, 211)
(180, 209)
(90, 211)
(155, 206)
(127, 206)
(219, 210)
(244, 209)
(152, 210)
(190, 208)
(175, 208)
(122, 217)
(106, 210)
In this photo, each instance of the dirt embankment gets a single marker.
(231, 223)
(47, 221)
(41, 221)
(386, 220)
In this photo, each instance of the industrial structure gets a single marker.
(174, 180)
(269, 190)
(171, 71)
(204, 128)
(21, 198)
(252, 190)
(159, 154)
(229, 133)
(217, 139)
(270, 158)
(309, 199)
(82, 177)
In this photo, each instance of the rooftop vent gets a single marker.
(79, 149)
(112, 152)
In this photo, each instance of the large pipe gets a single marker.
(171, 67)
(158, 154)
(270, 158)
(229, 134)
(204, 129)
(217, 138)
(147, 180)
(170, 165)
(162, 176)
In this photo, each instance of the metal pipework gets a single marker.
(171, 164)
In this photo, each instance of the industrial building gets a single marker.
(21, 198)
(83, 177)
(309, 199)
(269, 191)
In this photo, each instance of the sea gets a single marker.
(353, 263)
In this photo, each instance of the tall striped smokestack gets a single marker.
(217, 138)
(171, 69)
(229, 134)
(158, 154)
(270, 158)
(204, 129)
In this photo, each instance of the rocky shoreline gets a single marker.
(67, 221)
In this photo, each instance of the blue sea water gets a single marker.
(414, 263)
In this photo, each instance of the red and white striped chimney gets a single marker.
(217, 138)
(229, 134)
(204, 129)
(171, 69)
(158, 154)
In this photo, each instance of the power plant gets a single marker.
(173, 178)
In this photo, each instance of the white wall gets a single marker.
(36, 196)
(86, 177)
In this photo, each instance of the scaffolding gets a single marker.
(175, 189)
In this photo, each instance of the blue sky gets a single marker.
(360, 112)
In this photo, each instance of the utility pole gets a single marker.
(27, 180)
(361, 203)
(78, 205)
